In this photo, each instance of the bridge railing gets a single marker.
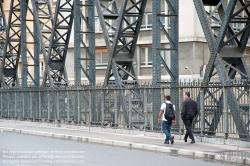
(131, 107)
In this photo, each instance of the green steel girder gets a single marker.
(55, 74)
(226, 47)
(12, 47)
(121, 37)
(44, 22)
(84, 25)
(29, 41)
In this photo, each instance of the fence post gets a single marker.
(181, 130)
(15, 106)
(30, 105)
(225, 112)
(1, 104)
(115, 107)
(23, 104)
(67, 102)
(57, 106)
(130, 112)
(39, 105)
(202, 116)
(78, 106)
(91, 109)
(48, 106)
(8, 112)
(102, 107)
(145, 106)
(162, 95)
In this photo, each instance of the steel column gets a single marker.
(44, 20)
(225, 46)
(202, 112)
(225, 112)
(12, 48)
(29, 41)
(59, 43)
(84, 41)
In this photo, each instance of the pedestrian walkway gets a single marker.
(132, 139)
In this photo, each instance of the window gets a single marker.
(98, 27)
(236, 27)
(101, 57)
(162, 19)
(147, 21)
(146, 56)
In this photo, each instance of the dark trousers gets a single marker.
(188, 125)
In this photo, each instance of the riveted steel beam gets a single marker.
(29, 47)
(226, 45)
(159, 24)
(84, 44)
(56, 74)
(12, 47)
(44, 22)
(121, 23)
(3, 27)
(121, 28)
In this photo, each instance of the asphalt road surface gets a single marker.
(26, 150)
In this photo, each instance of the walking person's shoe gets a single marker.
(172, 139)
(192, 142)
(166, 142)
(185, 140)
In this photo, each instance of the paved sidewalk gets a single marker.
(131, 139)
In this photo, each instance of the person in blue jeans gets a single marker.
(165, 124)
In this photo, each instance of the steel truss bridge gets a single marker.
(34, 29)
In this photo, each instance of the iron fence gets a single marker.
(131, 107)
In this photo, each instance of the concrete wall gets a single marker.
(189, 24)
(191, 54)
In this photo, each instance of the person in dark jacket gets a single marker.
(188, 112)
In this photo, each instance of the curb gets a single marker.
(130, 145)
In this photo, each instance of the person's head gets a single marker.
(186, 95)
(167, 98)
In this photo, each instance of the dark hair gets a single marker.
(187, 93)
(167, 97)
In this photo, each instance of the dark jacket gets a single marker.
(189, 109)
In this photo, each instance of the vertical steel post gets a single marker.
(181, 130)
(23, 8)
(67, 103)
(57, 106)
(84, 47)
(36, 56)
(23, 104)
(48, 105)
(1, 104)
(8, 111)
(162, 95)
(15, 106)
(91, 110)
(115, 107)
(145, 107)
(202, 111)
(30, 105)
(39, 105)
(225, 112)
(130, 113)
(102, 107)
(78, 106)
